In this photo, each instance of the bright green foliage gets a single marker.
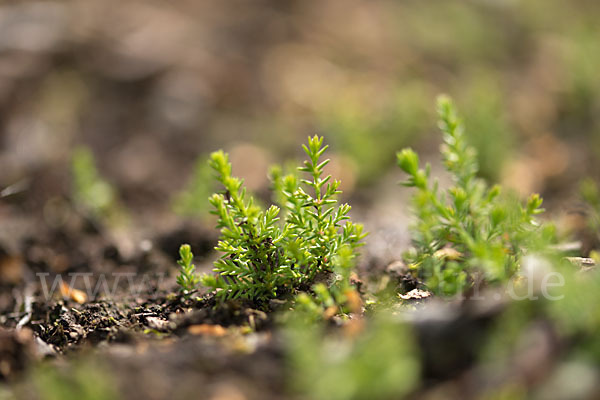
(314, 221)
(341, 296)
(187, 279)
(192, 201)
(263, 256)
(591, 195)
(572, 313)
(566, 306)
(283, 180)
(378, 363)
(84, 379)
(92, 193)
(468, 227)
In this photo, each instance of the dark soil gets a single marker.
(136, 324)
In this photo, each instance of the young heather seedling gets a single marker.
(590, 194)
(193, 200)
(468, 229)
(263, 256)
(91, 192)
(187, 279)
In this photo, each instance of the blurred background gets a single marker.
(152, 86)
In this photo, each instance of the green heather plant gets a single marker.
(340, 297)
(187, 279)
(264, 255)
(469, 230)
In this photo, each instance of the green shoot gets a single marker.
(187, 279)
(468, 229)
(265, 256)
(91, 193)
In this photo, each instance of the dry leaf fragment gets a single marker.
(330, 312)
(354, 327)
(353, 300)
(415, 294)
(207, 329)
(226, 391)
(11, 269)
(74, 294)
(448, 253)
(157, 323)
(584, 264)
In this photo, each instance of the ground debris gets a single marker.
(206, 329)
(582, 262)
(76, 295)
(415, 294)
(17, 348)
